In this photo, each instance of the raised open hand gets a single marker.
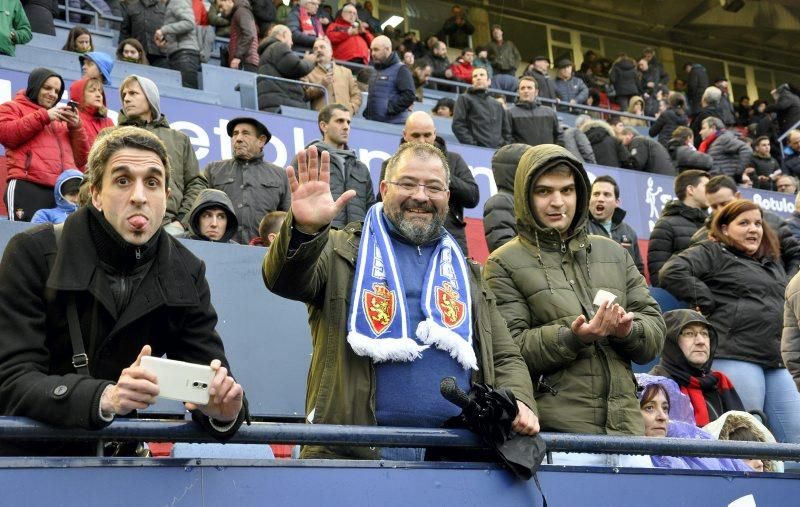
(313, 206)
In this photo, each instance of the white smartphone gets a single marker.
(179, 380)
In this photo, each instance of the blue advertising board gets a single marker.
(643, 195)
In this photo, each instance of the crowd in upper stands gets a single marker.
(734, 267)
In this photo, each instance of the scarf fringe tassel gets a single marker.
(431, 333)
(385, 349)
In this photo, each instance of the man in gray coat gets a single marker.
(730, 155)
(177, 36)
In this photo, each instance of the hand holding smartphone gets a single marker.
(179, 380)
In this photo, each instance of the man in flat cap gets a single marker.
(254, 186)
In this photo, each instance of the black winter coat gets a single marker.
(140, 20)
(791, 165)
(40, 15)
(697, 121)
(696, 84)
(608, 151)
(648, 155)
(742, 297)
(170, 310)
(480, 120)
(534, 124)
(730, 154)
(787, 106)
(623, 77)
(666, 123)
(621, 232)
(672, 234)
(499, 220)
(544, 84)
(278, 59)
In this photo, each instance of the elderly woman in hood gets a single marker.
(686, 358)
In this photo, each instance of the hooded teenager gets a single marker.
(42, 140)
(66, 194)
(204, 222)
(88, 92)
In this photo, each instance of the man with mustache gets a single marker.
(393, 304)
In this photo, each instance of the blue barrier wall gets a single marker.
(643, 195)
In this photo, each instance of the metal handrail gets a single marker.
(786, 134)
(95, 13)
(18, 428)
(286, 80)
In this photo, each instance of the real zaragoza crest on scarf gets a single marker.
(379, 307)
(450, 306)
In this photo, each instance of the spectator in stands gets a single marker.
(499, 223)
(689, 348)
(408, 58)
(65, 193)
(539, 69)
(178, 38)
(635, 106)
(479, 119)
(350, 37)
(606, 218)
(745, 427)
(646, 154)
(710, 107)
(97, 65)
(221, 24)
(255, 186)
(576, 142)
(365, 14)
(696, 85)
(243, 45)
(445, 106)
(269, 228)
(657, 75)
(762, 168)
(439, 62)
(791, 226)
(362, 379)
(730, 154)
(787, 184)
(419, 128)
(421, 73)
(680, 219)
(348, 173)
(531, 122)
(391, 86)
(140, 20)
(282, 10)
(791, 161)
(40, 14)
(79, 40)
(786, 107)
(461, 70)
(153, 282)
(305, 25)
(42, 139)
(727, 114)
(337, 79)
(669, 120)
(457, 29)
(623, 78)
(277, 59)
(212, 218)
(141, 107)
(743, 110)
(608, 150)
(14, 27)
(89, 94)
(683, 153)
(482, 60)
(131, 50)
(264, 13)
(569, 88)
(737, 280)
(505, 58)
(585, 356)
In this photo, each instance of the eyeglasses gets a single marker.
(694, 334)
(408, 188)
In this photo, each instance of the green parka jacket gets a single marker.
(543, 283)
(341, 385)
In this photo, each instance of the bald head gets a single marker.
(381, 49)
(419, 128)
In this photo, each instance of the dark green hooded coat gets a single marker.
(543, 283)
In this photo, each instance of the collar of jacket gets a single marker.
(393, 59)
(76, 263)
(258, 159)
(439, 142)
(477, 91)
(123, 119)
(616, 218)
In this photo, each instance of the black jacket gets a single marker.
(464, 192)
(544, 84)
(672, 234)
(40, 15)
(787, 107)
(278, 59)
(791, 165)
(648, 155)
(697, 121)
(608, 151)
(687, 157)
(499, 221)
(666, 123)
(696, 84)
(741, 296)
(170, 309)
(730, 154)
(534, 124)
(480, 120)
(623, 77)
(140, 20)
(621, 232)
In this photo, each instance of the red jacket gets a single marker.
(37, 149)
(462, 71)
(348, 47)
(92, 119)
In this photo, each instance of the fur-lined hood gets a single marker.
(590, 124)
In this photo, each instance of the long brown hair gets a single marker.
(769, 246)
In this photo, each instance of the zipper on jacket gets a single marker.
(563, 247)
(419, 251)
(542, 386)
(138, 254)
(60, 148)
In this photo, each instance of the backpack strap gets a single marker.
(79, 358)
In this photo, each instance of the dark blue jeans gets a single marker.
(187, 62)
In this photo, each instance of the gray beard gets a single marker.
(416, 234)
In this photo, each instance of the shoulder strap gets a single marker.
(79, 358)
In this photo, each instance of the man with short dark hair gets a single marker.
(269, 227)
(679, 221)
(391, 86)
(479, 119)
(646, 154)
(606, 218)
(762, 169)
(347, 171)
(126, 289)
(505, 59)
(254, 185)
(531, 122)
(461, 69)
(730, 155)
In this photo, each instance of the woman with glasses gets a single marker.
(736, 280)
(686, 358)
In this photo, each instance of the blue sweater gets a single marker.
(408, 393)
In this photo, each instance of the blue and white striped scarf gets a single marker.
(378, 323)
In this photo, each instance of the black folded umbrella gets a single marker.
(489, 413)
